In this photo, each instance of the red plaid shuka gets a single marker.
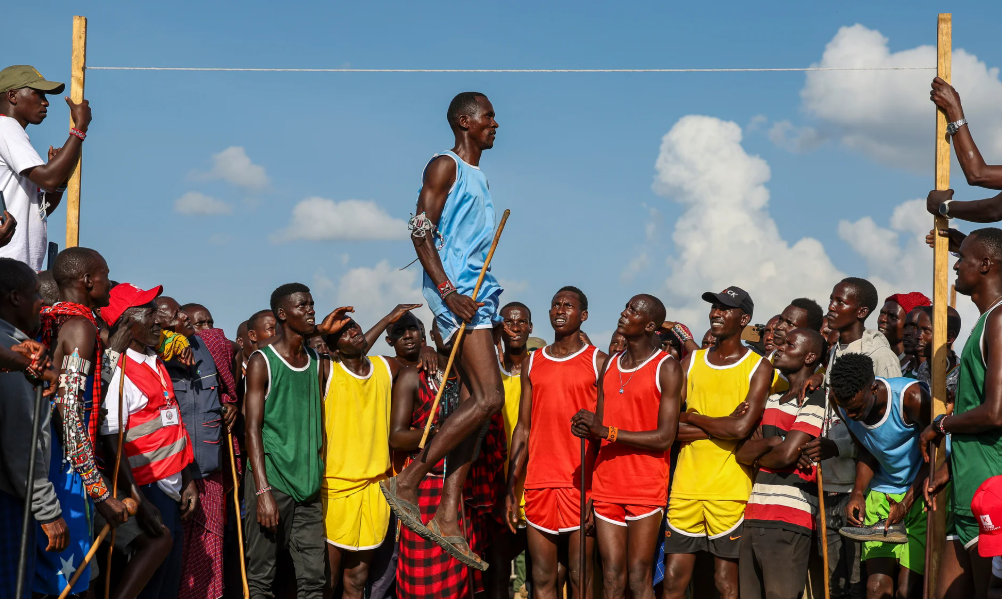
(202, 561)
(53, 318)
(424, 569)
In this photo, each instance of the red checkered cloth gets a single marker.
(202, 561)
(221, 350)
(423, 569)
(53, 318)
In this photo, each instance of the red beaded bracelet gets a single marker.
(78, 133)
(445, 288)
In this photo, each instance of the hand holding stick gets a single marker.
(132, 507)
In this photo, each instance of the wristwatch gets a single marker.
(955, 126)
(944, 209)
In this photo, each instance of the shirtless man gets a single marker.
(452, 233)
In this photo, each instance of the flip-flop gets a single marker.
(457, 547)
(409, 514)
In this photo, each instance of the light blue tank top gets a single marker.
(892, 442)
(467, 230)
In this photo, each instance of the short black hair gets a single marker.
(73, 263)
(15, 276)
(953, 323)
(864, 290)
(990, 240)
(192, 306)
(815, 315)
(851, 374)
(407, 318)
(284, 291)
(817, 342)
(582, 298)
(655, 309)
(518, 305)
(463, 103)
(48, 288)
(255, 319)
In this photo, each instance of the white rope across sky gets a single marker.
(351, 70)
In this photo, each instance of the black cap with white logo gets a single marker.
(732, 297)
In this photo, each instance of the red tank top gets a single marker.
(560, 387)
(625, 474)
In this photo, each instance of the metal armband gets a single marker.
(74, 377)
(420, 227)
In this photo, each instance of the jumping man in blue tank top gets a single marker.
(886, 418)
(452, 233)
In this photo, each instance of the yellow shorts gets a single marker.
(357, 522)
(710, 525)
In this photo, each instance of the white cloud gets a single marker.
(194, 202)
(795, 139)
(725, 235)
(234, 166)
(887, 115)
(373, 292)
(897, 256)
(321, 219)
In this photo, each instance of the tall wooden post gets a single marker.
(936, 534)
(78, 67)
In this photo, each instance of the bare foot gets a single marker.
(449, 528)
(406, 489)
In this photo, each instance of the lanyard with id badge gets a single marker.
(169, 414)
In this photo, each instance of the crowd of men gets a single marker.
(293, 462)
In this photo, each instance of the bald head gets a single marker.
(652, 307)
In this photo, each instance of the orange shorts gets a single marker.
(553, 511)
(619, 513)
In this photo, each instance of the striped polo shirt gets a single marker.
(787, 498)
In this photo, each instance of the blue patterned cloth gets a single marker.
(659, 562)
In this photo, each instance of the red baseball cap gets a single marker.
(987, 508)
(125, 296)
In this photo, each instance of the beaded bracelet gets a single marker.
(445, 288)
(613, 434)
(260, 492)
(78, 133)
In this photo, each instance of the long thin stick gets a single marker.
(582, 564)
(114, 476)
(131, 506)
(240, 525)
(930, 521)
(936, 534)
(29, 492)
(78, 67)
(462, 329)
(824, 528)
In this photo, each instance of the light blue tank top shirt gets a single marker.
(467, 231)
(893, 443)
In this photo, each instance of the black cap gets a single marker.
(732, 297)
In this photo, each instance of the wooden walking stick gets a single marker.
(824, 528)
(118, 463)
(930, 522)
(131, 506)
(462, 329)
(240, 525)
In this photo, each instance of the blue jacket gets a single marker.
(197, 391)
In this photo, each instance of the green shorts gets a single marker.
(910, 555)
(966, 529)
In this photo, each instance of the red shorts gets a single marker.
(553, 511)
(619, 513)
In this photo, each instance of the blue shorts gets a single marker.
(487, 317)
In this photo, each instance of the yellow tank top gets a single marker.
(708, 469)
(356, 428)
(512, 400)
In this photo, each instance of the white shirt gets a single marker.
(23, 198)
(134, 400)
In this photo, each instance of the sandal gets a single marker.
(407, 512)
(457, 547)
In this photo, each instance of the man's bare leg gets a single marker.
(725, 576)
(149, 553)
(678, 573)
(483, 379)
(954, 580)
(543, 551)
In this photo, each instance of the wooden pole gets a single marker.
(240, 524)
(824, 530)
(78, 66)
(936, 530)
(953, 296)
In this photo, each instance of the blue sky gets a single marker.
(575, 158)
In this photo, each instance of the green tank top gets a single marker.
(292, 428)
(975, 457)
